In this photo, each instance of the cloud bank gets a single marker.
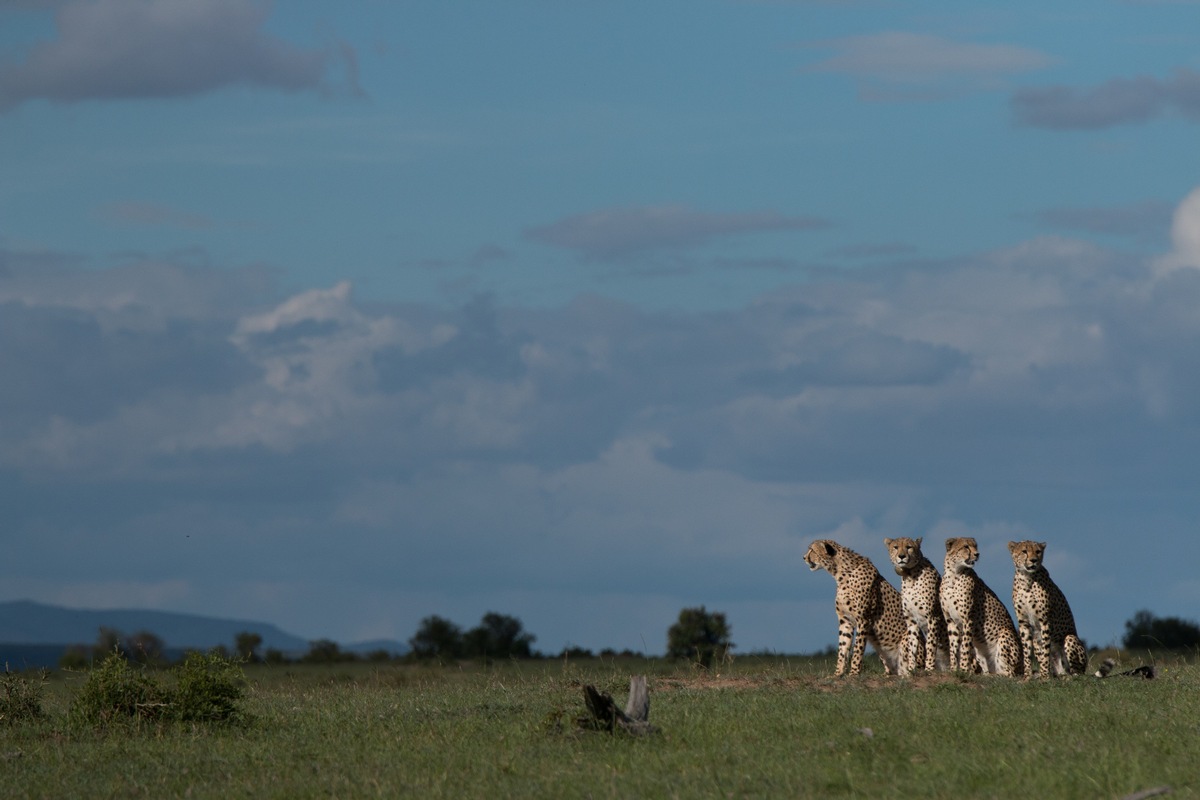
(345, 469)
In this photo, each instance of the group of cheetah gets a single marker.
(953, 620)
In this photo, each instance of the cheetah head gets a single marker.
(1027, 555)
(904, 552)
(821, 555)
(961, 553)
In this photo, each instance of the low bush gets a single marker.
(115, 690)
(207, 689)
(20, 697)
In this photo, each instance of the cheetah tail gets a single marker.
(1145, 671)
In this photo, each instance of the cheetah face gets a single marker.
(820, 555)
(904, 552)
(961, 553)
(1027, 555)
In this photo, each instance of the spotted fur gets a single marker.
(981, 634)
(869, 608)
(920, 592)
(1045, 620)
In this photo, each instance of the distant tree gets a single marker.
(77, 656)
(437, 637)
(610, 652)
(108, 641)
(1144, 630)
(575, 651)
(325, 651)
(499, 636)
(246, 644)
(275, 656)
(145, 647)
(699, 635)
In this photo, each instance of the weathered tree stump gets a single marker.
(607, 717)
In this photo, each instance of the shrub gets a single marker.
(20, 697)
(208, 689)
(115, 690)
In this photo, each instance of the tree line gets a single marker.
(698, 635)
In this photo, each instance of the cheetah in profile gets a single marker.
(868, 608)
(1043, 616)
(978, 626)
(920, 591)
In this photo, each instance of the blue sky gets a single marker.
(341, 315)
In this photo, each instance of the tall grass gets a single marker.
(756, 728)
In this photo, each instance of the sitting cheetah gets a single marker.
(1046, 623)
(866, 605)
(920, 591)
(978, 626)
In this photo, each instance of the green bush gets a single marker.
(20, 697)
(115, 690)
(207, 689)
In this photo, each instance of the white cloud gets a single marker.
(1185, 237)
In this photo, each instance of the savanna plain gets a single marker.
(751, 727)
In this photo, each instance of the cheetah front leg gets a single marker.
(856, 655)
(1026, 645)
(913, 647)
(935, 643)
(1041, 644)
(953, 641)
(845, 636)
(966, 655)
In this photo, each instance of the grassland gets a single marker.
(754, 728)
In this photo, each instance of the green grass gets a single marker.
(756, 728)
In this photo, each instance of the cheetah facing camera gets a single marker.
(978, 626)
(868, 608)
(1046, 623)
(920, 591)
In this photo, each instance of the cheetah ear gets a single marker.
(887, 542)
(919, 540)
(829, 551)
(949, 545)
(1012, 547)
(1042, 545)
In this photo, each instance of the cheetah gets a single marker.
(1043, 616)
(981, 634)
(920, 591)
(869, 608)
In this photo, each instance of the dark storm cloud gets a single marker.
(1116, 102)
(113, 49)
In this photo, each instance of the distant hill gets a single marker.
(26, 622)
(36, 635)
